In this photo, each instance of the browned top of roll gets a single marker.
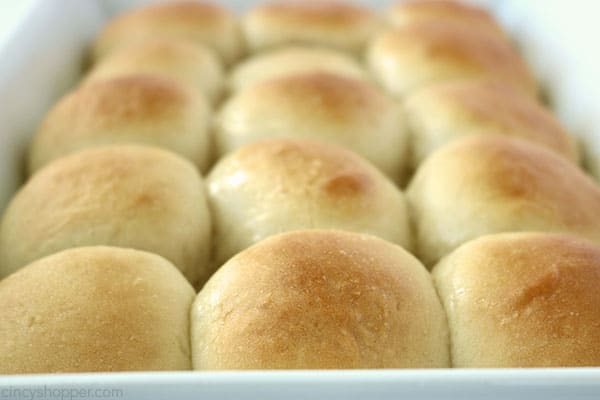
(336, 173)
(339, 97)
(488, 184)
(196, 21)
(95, 309)
(447, 111)
(324, 106)
(132, 109)
(126, 195)
(319, 299)
(195, 66)
(334, 23)
(281, 185)
(414, 55)
(523, 300)
(417, 11)
(326, 13)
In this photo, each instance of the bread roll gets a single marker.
(95, 309)
(404, 13)
(439, 114)
(192, 65)
(319, 299)
(327, 107)
(130, 110)
(199, 22)
(407, 58)
(126, 196)
(294, 60)
(490, 184)
(523, 300)
(280, 185)
(330, 23)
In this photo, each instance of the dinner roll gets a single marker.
(439, 114)
(135, 109)
(294, 60)
(523, 300)
(195, 66)
(328, 107)
(330, 23)
(95, 309)
(126, 196)
(404, 59)
(410, 12)
(199, 22)
(281, 185)
(489, 184)
(319, 299)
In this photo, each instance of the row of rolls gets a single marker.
(346, 189)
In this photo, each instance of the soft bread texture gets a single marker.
(410, 12)
(199, 22)
(126, 196)
(330, 23)
(327, 107)
(131, 110)
(442, 113)
(191, 65)
(294, 60)
(406, 58)
(523, 300)
(283, 184)
(491, 184)
(319, 299)
(95, 309)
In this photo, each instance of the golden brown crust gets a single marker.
(523, 300)
(95, 309)
(489, 184)
(328, 107)
(149, 110)
(326, 13)
(280, 185)
(337, 24)
(344, 300)
(339, 98)
(126, 196)
(294, 60)
(336, 172)
(147, 96)
(439, 114)
(410, 57)
(418, 11)
(200, 22)
(194, 66)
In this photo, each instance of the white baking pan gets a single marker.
(42, 56)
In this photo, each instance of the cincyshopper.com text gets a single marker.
(59, 393)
